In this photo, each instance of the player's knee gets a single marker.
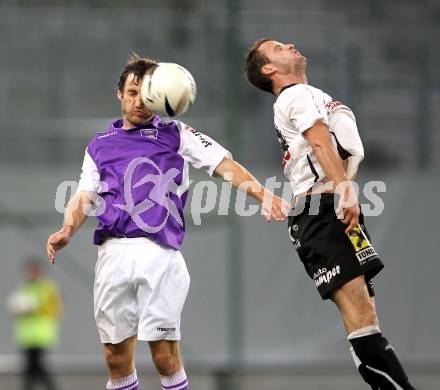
(115, 361)
(166, 363)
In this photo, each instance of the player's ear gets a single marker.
(267, 69)
(119, 94)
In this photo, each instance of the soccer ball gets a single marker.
(169, 90)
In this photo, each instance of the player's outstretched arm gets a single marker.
(318, 137)
(273, 206)
(74, 216)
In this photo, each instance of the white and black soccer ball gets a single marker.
(169, 90)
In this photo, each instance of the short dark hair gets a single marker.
(137, 65)
(254, 61)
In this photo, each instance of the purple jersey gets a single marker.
(141, 175)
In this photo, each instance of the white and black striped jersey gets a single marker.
(297, 108)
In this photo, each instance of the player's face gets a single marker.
(284, 57)
(134, 112)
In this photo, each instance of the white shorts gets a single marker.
(140, 288)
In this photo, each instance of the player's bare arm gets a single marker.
(74, 217)
(318, 137)
(240, 178)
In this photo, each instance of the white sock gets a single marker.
(129, 382)
(176, 381)
(367, 331)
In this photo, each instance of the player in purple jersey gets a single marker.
(322, 150)
(136, 173)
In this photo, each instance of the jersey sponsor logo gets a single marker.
(286, 158)
(364, 250)
(295, 241)
(335, 106)
(325, 276)
(189, 128)
(358, 239)
(366, 255)
(284, 147)
(389, 347)
(108, 134)
(149, 133)
(166, 329)
(203, 139)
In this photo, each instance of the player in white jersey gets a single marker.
(321, 153)
(295, 109)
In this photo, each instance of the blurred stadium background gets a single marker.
(252, 320)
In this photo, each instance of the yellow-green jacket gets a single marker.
(38, 327)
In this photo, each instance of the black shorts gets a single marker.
(330, 256)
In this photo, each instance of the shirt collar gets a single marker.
(117, 124)
(286, 86)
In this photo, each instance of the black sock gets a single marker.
(378, 364)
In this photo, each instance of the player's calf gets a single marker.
(376, 361)
(166, 358)
(119, 358)
(166, 364)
